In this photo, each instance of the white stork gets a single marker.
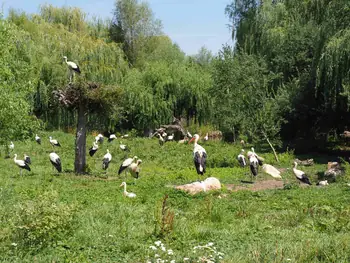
(300, 175)
(125, 193)
(21, 164)
(199, 155)
(126, 164)
(56, 161)
(260, 159)
(37, 139)
(112, 137)
(253, 163)
(134, 169)
(241, 159)
(73, 67)
(27, 159)
(93, 149)
(206, 137)
(99, 138)
(123, 147)
(161, 139)
(54, 142)
(107, 158)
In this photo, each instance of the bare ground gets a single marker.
(256, 186)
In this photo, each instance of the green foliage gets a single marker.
(42, 221)
(91, 220)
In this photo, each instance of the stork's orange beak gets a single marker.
(191, 140)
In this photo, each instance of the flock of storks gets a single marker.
(133, 164)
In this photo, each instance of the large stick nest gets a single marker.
(73, 95)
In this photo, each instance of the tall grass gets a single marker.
(46, 218)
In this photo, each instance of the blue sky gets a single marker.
(190, 23)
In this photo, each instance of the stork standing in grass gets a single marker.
(134, 169)
(107, 158)
(300, 175)
(21, 164)
(73, 68)
(99, 138)
(241, 159)
(54, 142)
(37, 139)
(93, 149)
(126, 164)
(112, 137)
(160, 139)
(123, 147)
(206, 137)
(199, 155)
(253, 163)
(56, 161)
(260, 159)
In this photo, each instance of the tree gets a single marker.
(133, 25)
(17, 83)
(86, 98)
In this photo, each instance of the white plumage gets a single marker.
(126, 164)
(112, 137)
(56, 161)
(107, 158)
(206, 137)
(122, 146)
(254, 164)
(37, 139)
(241, 159)
(54, 142)
(125, 193)
(93, 149)
(21, 164)
(170, 137)
(199, 155)
(300, 175)
(99, 138)
(73, 67)
(134, 168)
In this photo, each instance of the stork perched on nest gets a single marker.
(73, 68)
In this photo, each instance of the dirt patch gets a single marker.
(256, 186)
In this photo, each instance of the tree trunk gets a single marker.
(80, 141)
(273, 149)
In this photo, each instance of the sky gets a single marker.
(191, 24)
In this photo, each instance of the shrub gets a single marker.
(41, 221)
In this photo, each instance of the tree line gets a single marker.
(286, 77)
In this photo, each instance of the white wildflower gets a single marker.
(156, 255)
(210, 244)
(185, 259)
(153, 247)
(162, 248)
(170, 252)
(14, 244)
(173, 261)
(110, 235)
(158, 243)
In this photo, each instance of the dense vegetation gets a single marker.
(287, 77)
(69, 218)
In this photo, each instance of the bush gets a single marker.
(42, 221)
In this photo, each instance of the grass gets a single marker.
(69, 218)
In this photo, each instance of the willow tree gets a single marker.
(86, 98)
(16, 82)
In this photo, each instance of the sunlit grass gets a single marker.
(299, 224)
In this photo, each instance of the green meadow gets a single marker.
(50, 217)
